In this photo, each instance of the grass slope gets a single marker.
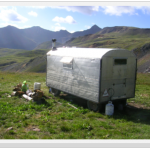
(125, 40)
(114, 37)
(56, 119)
(22, 60)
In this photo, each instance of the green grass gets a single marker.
(23, 57)
(112, 40)
(19, 56)
(58, 120)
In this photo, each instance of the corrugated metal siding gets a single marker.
(82, 80)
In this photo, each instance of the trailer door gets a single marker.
(119, 77)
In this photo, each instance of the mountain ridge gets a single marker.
(29, 38)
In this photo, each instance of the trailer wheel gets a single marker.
(124, 102)
(122, 105)
(55, 92)
(93, 106)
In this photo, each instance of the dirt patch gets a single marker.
(32, 128)
(144, 95)
(137, 106)
(38, 116)
(101, 119)
(23, 65)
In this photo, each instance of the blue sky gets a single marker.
(74, 18)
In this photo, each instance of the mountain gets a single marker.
(30, 38)
(92, 30)
(130, 38)
(114, 37)
(120, 29)
(11, 37)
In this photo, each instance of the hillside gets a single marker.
(114, 37)
(130, 38)
(22, 60)
(143, 56)
(29, 38)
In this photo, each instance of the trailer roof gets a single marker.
(81, 52)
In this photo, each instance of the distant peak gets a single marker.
(36, 27)
(63, 31)
(11, 27)
(95, 26)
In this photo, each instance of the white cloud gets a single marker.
(3, 7)
(71, 31)
(58, 28)
(81, 9)
(118, 10)
(57, 24)
(144, 9)
(68, 19)
(11, 15)
(32, 13)
(87, 27)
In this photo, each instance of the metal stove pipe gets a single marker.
(54, 45)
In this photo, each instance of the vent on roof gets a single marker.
(54, 45)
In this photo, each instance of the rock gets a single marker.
(26, 97)
(36, 129)
(13, 93)
(10, 128)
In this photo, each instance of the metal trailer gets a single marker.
(97, 75)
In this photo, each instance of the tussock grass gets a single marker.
(111, 40)
(55, 119)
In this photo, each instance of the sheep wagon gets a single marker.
(97, 75)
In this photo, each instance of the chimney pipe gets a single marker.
(53, 45)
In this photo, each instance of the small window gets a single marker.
(68, 66)
(120, 61)
(67, 62)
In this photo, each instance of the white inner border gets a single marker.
(75, 3)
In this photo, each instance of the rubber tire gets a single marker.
(55, 92)
(124, 104)
(93, 106)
